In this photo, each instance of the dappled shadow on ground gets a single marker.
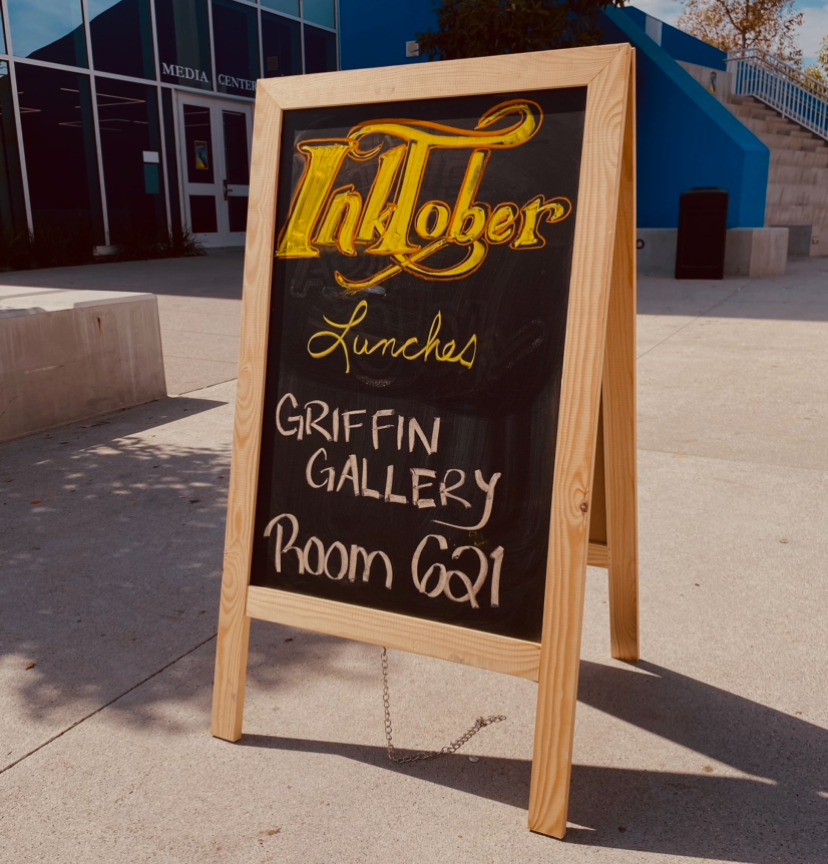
(779, 813)
(111, 535)
(111, 545)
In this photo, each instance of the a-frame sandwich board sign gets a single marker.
(438, 331)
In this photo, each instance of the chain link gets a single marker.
(420, 756)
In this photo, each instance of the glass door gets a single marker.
(215, 140)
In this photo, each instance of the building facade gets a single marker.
(121, 119)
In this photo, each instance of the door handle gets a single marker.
(224, 185)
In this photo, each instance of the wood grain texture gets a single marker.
(503, 74)
(577, 434)
(598, 555)
(234, 624)
(417, 635)
(619, 413)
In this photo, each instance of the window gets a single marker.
(12, 207)
(320, 50)
(291, 7)
(236, 37)
(320, 12)
(131, 153)
(50, 30)
(121, 33)
(184, 43)
(2, 36)
(61, 157)
(281, 46)
(237, 166)
(198, 144)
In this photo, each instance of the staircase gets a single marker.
(796, 134)
(798, 178)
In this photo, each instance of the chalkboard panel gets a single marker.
(418, 316)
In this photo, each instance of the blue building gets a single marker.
(133, 116)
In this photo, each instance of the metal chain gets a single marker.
(420, 756)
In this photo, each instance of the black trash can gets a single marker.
(702, 232)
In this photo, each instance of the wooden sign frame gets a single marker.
(593, 518)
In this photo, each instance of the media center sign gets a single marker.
(185, 72)
(236, 83)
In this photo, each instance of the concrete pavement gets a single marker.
(714, 748)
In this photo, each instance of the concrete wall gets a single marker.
(686, 138)
(69, 355)
(717, 83)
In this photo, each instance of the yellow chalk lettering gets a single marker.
(440, 213)
(324, 159)
(555, 210)
(501, 227)
(339, 225)
(468, 219)
(377, 208)
(338, 338)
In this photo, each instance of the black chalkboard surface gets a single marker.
(419, 309)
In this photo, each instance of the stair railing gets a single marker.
(780, 86)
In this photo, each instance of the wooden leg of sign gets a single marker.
(231, 666)
(569, 537)
(619, 417)
(234, 625)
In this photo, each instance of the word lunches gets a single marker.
(409, 349)
(324, 215)
(422, 489)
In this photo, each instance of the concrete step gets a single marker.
(746, 115)
(778, 126)
(788, 142)
(751, 110)
(797, 174)
(760, 118)
(796, 214)
(797, 193)
(801, 158)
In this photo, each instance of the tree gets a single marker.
(819, 70)
(730, 24)
(478, 28)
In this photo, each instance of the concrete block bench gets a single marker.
(69, 355)
(754, 252)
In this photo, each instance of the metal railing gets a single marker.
(780, 86)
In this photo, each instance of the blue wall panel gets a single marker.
(374, 32)
(686, 138)
(680, 45)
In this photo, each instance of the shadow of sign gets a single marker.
(779, 813)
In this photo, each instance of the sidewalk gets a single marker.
(715, 747)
